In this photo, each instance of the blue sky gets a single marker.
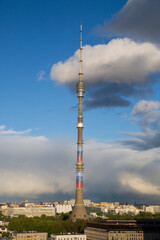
(39, 69)
(34, 36)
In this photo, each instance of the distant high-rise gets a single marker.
(79, 211)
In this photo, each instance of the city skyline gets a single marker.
(39, 71)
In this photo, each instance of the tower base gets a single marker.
(79, 212)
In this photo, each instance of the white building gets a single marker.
(3, 229)
(4, 223)
(120, 209)
(68, 237)
(31, 211)
(152, 209)
(63, 208)
(30, 236)
(93, 214)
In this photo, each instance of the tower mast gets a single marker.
(79, 211)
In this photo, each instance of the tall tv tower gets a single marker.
(79, 211)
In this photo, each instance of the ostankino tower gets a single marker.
(79, 211)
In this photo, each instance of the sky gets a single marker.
(39, 66)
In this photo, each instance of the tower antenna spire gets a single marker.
(79, 211)
(81, 48)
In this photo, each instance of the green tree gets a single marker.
(5, 234)
(100, 213)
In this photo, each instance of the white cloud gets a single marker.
(4, 131)
(130, 1)
(147, 115)
(23, 183)
(119, 61)
(139, 185)
(41, 75)
(118, 169)
(144, 107)
(31, 166)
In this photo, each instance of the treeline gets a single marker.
(58, 224)
(62, 223)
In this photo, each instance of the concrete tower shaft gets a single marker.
(79, 211)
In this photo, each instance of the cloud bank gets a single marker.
(32, 167)
(113, 72)
(138, 19)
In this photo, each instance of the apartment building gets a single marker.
(123, 229)
(68, 237)
(31, 211)
(31, 236)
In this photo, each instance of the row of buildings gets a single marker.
(121, 208)
(51, 209)
(32, 210)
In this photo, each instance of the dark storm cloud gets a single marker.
(138, 19)
(107, 101)
(148, 140)
(115, 94)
